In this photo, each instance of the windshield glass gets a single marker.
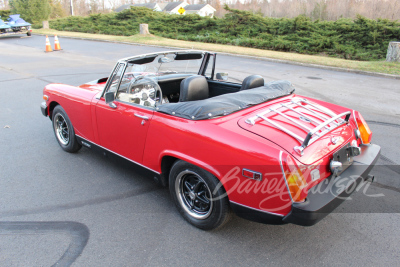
(169, 63)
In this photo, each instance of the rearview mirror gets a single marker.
(165, 60)
(222, 76)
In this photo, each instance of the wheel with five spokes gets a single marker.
(198, 195)
(64, 131)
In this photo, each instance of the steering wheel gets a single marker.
(146, 94)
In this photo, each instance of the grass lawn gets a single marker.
(370, 66)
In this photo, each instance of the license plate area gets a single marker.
(343, 156)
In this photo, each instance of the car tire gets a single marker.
(192, 190)
(64, 131)
(29, 33)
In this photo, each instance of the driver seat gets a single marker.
(193, 88)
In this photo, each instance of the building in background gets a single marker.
(204, 10)
(173, 7)
(153, 6)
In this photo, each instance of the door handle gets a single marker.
(142, 117)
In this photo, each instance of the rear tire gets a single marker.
(29, 33)
(64, 131)
(192, 190)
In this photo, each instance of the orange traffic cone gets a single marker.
(57, 46)
(48, 46)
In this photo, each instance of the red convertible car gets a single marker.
(255, 148)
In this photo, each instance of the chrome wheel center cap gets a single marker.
(192, 195)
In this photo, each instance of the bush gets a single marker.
(4, 14)
(361, 39)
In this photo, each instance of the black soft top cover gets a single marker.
(227, 103)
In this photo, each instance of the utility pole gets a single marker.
(72, 7)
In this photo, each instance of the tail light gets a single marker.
(294, 179)
(365, 131)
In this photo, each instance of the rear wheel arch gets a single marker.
(166, 165)
(168, 160)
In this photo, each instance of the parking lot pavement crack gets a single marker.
(79, 204)
(78, 232)
(384, 123)
(391, 188)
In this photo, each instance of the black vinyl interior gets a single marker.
(193, 88)
(170, 86)
(220, 88)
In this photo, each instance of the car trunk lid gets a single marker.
(306, 130)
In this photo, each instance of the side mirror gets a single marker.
(222, 76)
(110, 97)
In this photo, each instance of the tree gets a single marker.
(31, 10)
(57, 10)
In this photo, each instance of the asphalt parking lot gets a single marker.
(84, 210)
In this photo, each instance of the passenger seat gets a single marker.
(252, 81)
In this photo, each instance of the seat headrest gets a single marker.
(193, 88)
(252, 81)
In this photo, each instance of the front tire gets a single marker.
(64, 131)
(192, 190)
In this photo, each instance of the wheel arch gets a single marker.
(166, 165)
(169, 158)
(52, 105)
(199, 163)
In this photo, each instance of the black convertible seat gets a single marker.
(252, 81)
(194, 88)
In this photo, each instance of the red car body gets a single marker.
(252, 161)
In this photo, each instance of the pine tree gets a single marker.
(31, 10)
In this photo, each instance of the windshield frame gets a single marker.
(150, 57)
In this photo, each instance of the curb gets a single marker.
(282, 61)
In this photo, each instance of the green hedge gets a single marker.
(4, 14)
(359, 39)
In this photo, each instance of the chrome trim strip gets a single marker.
(161, 53)
(354, 117)
(141, 165)
(283, 175)
(268, 212)
(110, 78)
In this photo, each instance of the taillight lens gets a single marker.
(295, 180)
(365, 131)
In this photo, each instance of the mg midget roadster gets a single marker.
(255, 148)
